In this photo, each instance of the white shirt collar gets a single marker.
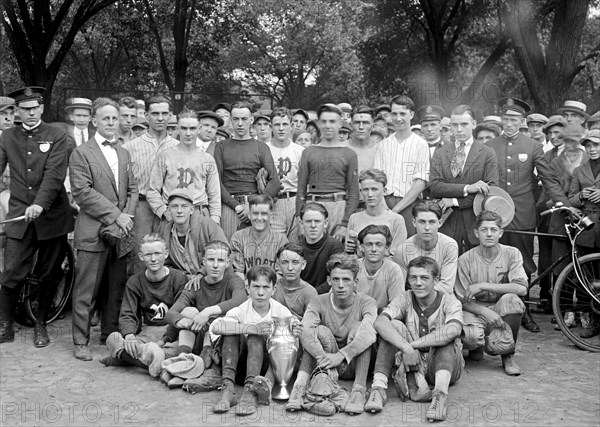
(32, 127)
(468, 143)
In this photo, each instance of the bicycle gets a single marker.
(28, 301)
(577, 288)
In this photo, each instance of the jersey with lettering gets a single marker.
(286, 161)
(248, 251)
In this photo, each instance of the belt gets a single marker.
(331, 197)
(142, 197)
(286, 194)
(243, 198)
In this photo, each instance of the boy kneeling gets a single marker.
(421, 330)
(244, 331)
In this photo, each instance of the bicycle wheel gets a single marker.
(62, 295)
(570, 296)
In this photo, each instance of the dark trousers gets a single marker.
(19, 258)
(406, 213)
(244, 359)
(545, 258)
(94, 271)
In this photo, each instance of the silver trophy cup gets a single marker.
(283, 350)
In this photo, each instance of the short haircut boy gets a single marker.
(375, 174)
(427, 206)
(261, 199)
(262, 271)
(292, 247)
(376, 229)
(488, 216)
(314, 206)
(427, 263)
(343, 262)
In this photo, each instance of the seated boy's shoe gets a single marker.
(206, 355)
(356, 402)
(227, 399)
(570, 321)
(510, 367)
(593, 327)
(165, 376)
(528, 323)
(476, 355)
(82, 352)
(208, 381)
(7, 332)
(296, 398)
(437, 409)
(262, 387)
(401, 383)
(248, 403)
(40, 335)
(376, 401)
(108, 360)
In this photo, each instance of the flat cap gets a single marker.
(211, 115)
(537, 118)
(6, 103)
(182, 193)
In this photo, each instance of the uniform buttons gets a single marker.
(510, 143)
(28, 170)
(508, 157)
(29, 153)
(507, 170)
(29, 136)
(508, 183)
(30, 188)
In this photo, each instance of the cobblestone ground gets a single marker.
(560, 385)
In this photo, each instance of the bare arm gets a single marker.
(415, 190)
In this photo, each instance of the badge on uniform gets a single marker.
(44, 146)
(522, 157)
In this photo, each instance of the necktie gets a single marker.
(108, 143)
(81, 137)
(554, 152)
(458, 160)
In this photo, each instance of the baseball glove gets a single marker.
(323, 395)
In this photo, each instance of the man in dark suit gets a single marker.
(458, 172)
(103, 186)
(37, 155)
(518, 157)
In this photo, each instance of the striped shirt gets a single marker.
(403, 162)
(143, 151)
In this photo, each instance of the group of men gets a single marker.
(187, 247)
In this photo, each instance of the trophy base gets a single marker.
(280, 392)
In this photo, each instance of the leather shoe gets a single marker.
(40, 335)
(528, 323)
(7, 332)
(82, 352)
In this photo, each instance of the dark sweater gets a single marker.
(227, 294)
(140, 294)
(326, 170)
(316, 256)
(238, 162)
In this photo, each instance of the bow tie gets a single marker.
(109, 143)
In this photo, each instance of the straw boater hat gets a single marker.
(493, 119)
(84, 103)
(574, 107)
(498, 201)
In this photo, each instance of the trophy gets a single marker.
(282, 346)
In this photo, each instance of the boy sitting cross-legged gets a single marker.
(243, 334)
(191, 315)
(148, 295)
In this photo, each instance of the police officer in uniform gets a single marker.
(37, 155)
(518, 156)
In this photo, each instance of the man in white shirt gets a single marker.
(404, 157)
(286, 156)
(103, 186)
